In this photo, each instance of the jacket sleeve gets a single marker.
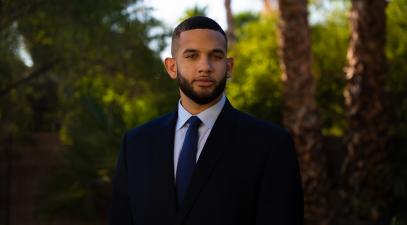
(120, 212)
(280, 198)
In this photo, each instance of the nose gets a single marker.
(205, 65)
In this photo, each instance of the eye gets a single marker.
(191, 56)
(217, 56)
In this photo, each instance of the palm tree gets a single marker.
(365, 165)
(269, 6)
(300, 111)
(229, 18)
(194, 11)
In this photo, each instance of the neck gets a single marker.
(195, 108)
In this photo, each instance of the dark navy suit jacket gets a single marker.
(247, 174)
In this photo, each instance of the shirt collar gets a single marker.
(208, 116)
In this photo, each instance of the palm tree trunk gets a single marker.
(229, 18)
(269, 7)
(300, 111)
(365, 165)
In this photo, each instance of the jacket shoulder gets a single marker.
(151, 127)
(254, 127)
(251, 122)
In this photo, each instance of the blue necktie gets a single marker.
(187, 159)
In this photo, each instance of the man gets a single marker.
(206, 163)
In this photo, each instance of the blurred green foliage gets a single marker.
(397, 69)
(255, 86)
(329, 46)
(96, 77)
(256, 83)
(194, 11)
(396, 86)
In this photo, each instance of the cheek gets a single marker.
(221, 67)
(186, 70)
(185, 73)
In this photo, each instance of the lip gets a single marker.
(204, 82)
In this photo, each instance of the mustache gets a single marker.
(204, 79)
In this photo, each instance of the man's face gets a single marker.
(200, 65)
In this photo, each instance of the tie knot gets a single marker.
(194, 121)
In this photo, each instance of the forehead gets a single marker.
(201, 39)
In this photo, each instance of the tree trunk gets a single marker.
(365, 165)
(300, 111)
(269, 6)
(229, 18)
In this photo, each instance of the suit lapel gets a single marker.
(213, 149)
(163, 162)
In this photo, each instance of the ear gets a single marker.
(229, 67)
(171, 67)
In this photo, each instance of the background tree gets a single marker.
(255, 86)
(396, 86)
(269, 6)
(365, 98)
(91, 71)
(329, 45)
(194, 11)
(230, 32)
(300, 111)
(97, 77)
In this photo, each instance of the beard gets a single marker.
(201, 99)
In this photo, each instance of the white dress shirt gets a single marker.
(208, 118)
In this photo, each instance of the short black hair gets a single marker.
(195, 22)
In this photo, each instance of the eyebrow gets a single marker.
(190, 50)
(216, 50)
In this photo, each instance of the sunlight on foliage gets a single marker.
(255, 86)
